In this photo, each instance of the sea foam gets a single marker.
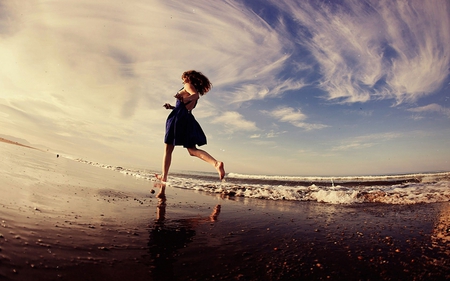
(388, 189)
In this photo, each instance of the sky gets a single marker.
(306, 88)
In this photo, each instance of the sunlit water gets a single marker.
(389, 189)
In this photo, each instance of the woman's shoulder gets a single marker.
(188, 87)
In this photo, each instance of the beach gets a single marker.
(62, 219)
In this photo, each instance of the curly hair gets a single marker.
(198, 80)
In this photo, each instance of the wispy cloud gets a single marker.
(93, 75)
(104, 62)
(436, 108)
(288, 114)
(232, 121)
(365, 141)
(268, 135)
(261, 87)
(294, 117)
(375, 49)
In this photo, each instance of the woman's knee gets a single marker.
(192, 151)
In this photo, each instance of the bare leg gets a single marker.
(167, 159)
(193, 151)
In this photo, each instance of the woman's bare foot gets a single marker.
(220, 169)
(161, 178)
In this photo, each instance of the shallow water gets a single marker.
(389, 189)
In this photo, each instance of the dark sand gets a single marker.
(63, 220)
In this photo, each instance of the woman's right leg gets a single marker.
(167, 159)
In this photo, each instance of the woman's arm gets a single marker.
(193, 94)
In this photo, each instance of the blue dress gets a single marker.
(182, 128)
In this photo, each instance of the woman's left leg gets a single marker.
(205, 156)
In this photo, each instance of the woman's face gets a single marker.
(185, 80)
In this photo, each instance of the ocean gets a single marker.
(388, 189)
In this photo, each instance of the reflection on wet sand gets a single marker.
(441, 232)
(168, 236)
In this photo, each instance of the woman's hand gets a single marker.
(168, 106)
(179, 97)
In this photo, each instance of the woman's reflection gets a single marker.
(168, 236)
(441, 233)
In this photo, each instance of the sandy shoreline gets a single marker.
(64, 220)
(15, 143)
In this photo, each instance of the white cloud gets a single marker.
(294, 117)
(378, 49)
(91, 76)
(101, 69)
(267, 86)
(365, 141)
(273, 134)
(288, 114)
(233, 122)
(431, 108)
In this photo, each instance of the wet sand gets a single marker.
(64, 220)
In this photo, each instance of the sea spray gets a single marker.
(389, 189)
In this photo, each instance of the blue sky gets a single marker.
(300, 87)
